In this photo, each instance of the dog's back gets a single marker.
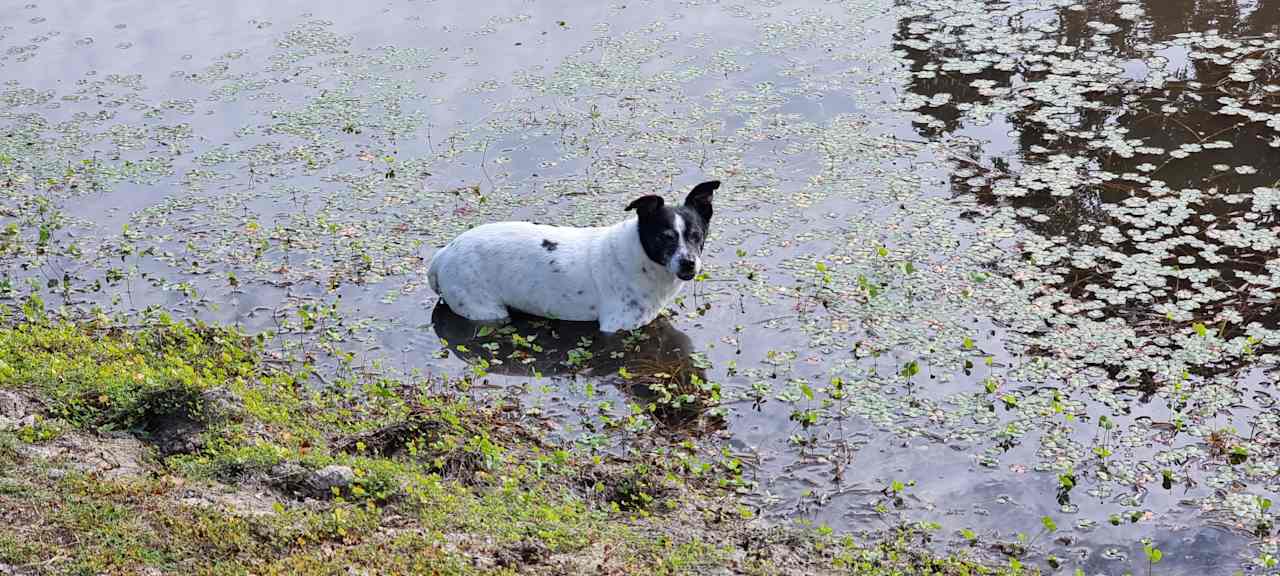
(538, 269)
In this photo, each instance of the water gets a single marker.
(994, 254)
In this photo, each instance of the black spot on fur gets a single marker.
(549, 245)
(633, 304)
(581, 292)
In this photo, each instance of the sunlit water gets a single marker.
(1017, 259)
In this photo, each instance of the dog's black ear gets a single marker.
(646, 205)
(700, 199)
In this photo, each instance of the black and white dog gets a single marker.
(621, 275)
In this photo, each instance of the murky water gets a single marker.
(1018, 260)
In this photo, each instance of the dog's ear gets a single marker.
(700, 199)
(646, 205)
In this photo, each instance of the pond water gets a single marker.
(1009, 268)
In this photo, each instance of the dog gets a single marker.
(621, 276)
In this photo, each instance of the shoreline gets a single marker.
(174, 448)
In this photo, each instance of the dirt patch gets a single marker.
(113, 457)
(523, 553)
(302, 482)
(177, 422)
(109, 457)
(13, 407)
(241, 500)
(629, 488)
(391, 440)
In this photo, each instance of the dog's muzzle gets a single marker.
(688, 269)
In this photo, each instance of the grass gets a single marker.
(108, 378)
(443, 483)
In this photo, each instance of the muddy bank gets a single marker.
(178, 448)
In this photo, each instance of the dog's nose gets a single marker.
(688, 268)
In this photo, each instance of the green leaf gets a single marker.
(484, 331)
(806, 390)
(1200, 329)
(1049, 524)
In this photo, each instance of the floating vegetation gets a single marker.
(1018, 259)
(1151, 275)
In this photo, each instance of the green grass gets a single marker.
(83, 525)
(109, 378)
(462, 486)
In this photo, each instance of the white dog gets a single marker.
(621, 275)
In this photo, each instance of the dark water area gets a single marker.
(1007, 269)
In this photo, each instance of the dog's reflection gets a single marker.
(654, 364)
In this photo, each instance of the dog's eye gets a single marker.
(695, 237)
(669, 234)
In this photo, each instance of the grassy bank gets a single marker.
(180, 448)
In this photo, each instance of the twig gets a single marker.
(483, 157)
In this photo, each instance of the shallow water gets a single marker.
(971, 249)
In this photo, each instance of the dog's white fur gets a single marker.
(599, 273)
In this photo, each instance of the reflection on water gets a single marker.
(656, 366)
(1139, 144)
(1164, 185)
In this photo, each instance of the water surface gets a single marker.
(974, 263)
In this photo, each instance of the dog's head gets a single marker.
(672, 236)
